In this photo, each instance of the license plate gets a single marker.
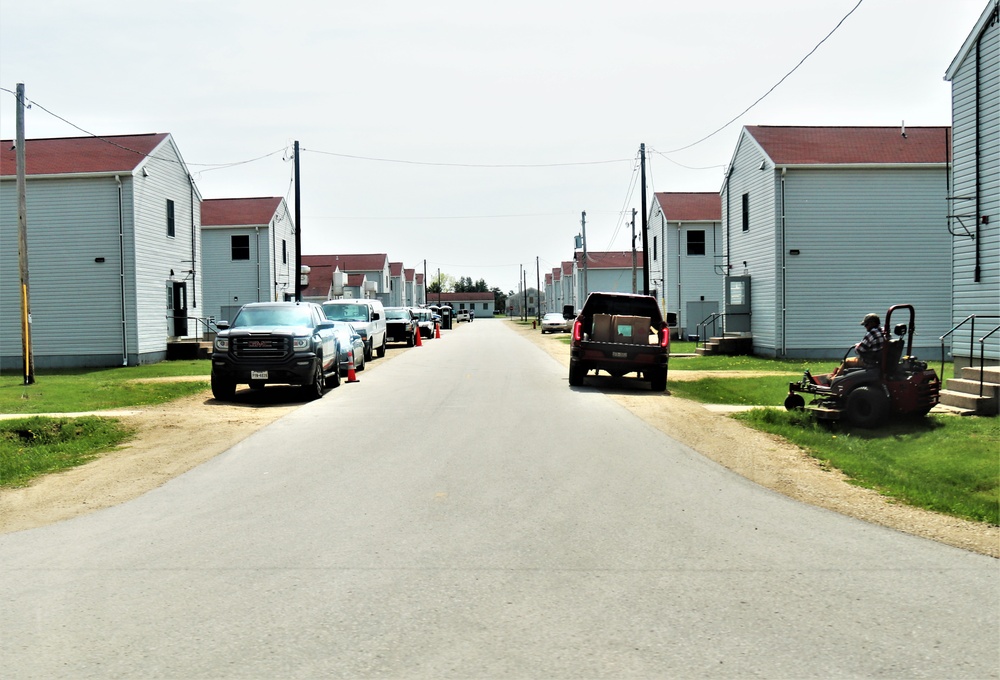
(620, 355)
(258, 375)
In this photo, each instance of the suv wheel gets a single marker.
(314, 389)
(223, 389)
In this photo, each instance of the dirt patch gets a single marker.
(178, 436)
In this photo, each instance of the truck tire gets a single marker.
(368, 350)
(334, 380)
(223, 389)
(411, 339)
(658, 379)
(314, 388)
(866, 406)
(576, 374)
(381, 350)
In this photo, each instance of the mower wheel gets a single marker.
(867, 406)
(794, 402)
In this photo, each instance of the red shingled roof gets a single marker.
(609, 260)
(567, 268)
(348, 263)
(852, 145)
(218, 212)
(395, 269)
(77, 155)
(690, 207)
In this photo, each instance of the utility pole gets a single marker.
(22, 242)
(439, 286)
(298, 229)
(645, 249)
(425, 283)
(633, 253)
(524, 288)
(583, 232)
(538, 285)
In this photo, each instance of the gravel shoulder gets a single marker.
(176, 437)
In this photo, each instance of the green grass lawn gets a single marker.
(68, 391)
(30, 447)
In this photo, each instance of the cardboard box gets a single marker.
(631, 330)
(601, 331)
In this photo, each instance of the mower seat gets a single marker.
(893, 355)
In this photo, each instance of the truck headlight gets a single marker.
(301, 344)
(222, 344)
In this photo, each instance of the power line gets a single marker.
(773, 87)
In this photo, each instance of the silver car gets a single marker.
(555, 322)
(352, 347)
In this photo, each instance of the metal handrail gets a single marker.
(711, 318)
(982, 364)
(207, 324)
(971, 320)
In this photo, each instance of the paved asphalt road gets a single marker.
(462, 513)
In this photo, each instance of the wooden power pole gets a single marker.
(22, 242)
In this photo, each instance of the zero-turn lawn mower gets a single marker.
(898, 385)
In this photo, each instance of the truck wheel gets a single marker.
(658, 379)
(334, 380)
(314, 389)
(867, 406)
(576, 374)
(411, 340)
(223, 389)
(368, 350)
(381, 350)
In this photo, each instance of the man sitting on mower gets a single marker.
(868, 350)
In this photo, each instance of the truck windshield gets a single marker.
(346, 312)
(272, 316)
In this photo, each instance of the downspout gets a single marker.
(784, 255)
(977, 272)
(678, 275)
(194, 249)
(256, 231)
(273, 226)
(121, 271)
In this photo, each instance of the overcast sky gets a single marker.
(469, 136)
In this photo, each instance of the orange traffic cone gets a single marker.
(351, 375)
(419, 341)
(437, 331)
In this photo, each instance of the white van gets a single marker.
(366, 316)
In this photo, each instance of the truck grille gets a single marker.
(263, 347)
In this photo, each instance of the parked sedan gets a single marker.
(555, 322)
(352, 347)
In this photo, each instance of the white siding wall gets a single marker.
(283, 276)
(867, 239)
(692, 278)
(71, 222)
(757, 246)
(155, 253)
(970, 296)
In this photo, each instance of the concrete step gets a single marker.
(990, 390)
(980, 406)
(991, 374)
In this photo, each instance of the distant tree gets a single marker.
(500, 299)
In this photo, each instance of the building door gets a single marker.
(698, 312)
(179, 308)
(737, 304)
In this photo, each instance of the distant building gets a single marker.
(684, 237)
(373, 268)
(248, 246)
(611, 271)
(481, 303)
